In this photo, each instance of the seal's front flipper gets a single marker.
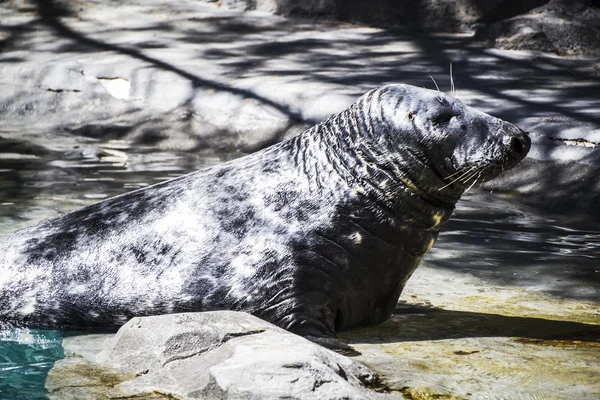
(334, 344)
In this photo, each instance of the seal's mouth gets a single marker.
(513, 149)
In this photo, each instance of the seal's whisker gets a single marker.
(477, 173)
(435, 83)
(460, 171)
(474, 171)
(452, 87)
(467, 172)
(476, 179)
(474, 182)
(468, 178)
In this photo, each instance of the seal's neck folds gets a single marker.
(345, 142)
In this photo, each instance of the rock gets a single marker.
(562, 27)
(456, 336)
(446, 16)
(209, 355)
(108, 89)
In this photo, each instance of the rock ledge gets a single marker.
(224, 355)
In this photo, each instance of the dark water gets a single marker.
(499, 239)
(490, 236)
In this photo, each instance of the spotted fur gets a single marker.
(316, 234)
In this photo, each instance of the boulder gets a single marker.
(210, 355)
(435, 15)
(560, 26)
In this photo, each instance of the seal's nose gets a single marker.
(518, 144)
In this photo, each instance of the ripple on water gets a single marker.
(512, 244)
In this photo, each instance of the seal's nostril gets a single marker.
(516, 145)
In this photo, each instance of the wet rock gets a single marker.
(562, 27)
(204, 355)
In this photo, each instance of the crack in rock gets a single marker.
(230, 336)
(296, 365)
(62, 90)
(188, 355)
(225, 339)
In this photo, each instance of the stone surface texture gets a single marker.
(212, 355)
(456, 336)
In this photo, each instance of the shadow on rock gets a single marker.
(419, 323)
(49, 9)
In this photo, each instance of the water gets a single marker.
(490, 236)
(42, 181)
(500, 240)
(26, 356)
(65, 172)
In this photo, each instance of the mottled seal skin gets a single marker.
(316, 234)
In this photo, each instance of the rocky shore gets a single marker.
(213, 78)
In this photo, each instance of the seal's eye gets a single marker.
(442, 119)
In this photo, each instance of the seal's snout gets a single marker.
(518, 144)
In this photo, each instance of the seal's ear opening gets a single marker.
(411, 116)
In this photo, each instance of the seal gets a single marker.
(316, 234)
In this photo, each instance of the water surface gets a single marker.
(40, 182)
(26, 356)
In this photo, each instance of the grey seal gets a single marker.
(316, 234)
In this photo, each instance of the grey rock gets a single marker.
(445, 16)
(225, 354)
(101, 87)
(562, 27)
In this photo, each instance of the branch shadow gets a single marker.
(357, 62)
(48, 10)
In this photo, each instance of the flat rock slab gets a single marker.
(455, 336)
(224, 354)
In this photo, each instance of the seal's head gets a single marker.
(444, 145)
